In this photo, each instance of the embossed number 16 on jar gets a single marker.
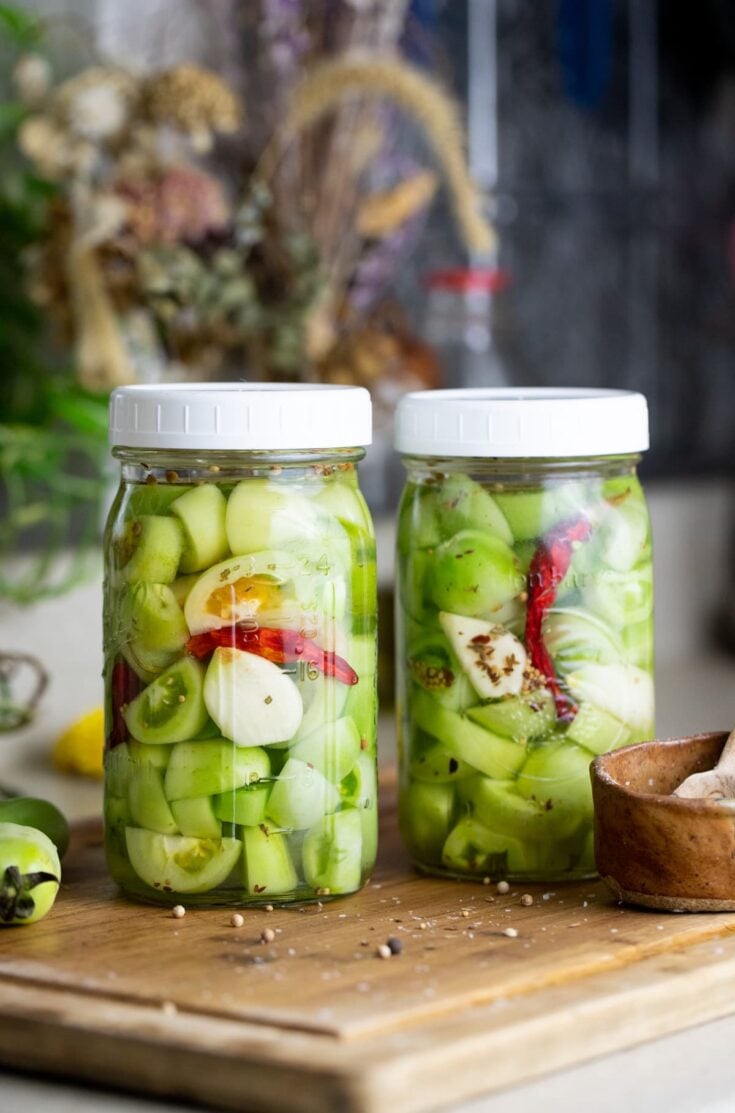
(240, 645)
(524, 622)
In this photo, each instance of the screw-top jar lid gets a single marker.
(522, 423)
(244, 416)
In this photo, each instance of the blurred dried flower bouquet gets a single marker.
(247, 225)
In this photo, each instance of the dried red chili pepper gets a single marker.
(124, 687)
(279, 646)
(548, 568)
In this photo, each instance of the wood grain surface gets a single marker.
(124, 994)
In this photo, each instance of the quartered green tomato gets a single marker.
(30, 873)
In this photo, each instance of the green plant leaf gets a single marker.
(12, 114)
(20, 26)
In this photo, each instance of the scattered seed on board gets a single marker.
(268, 935)
(486, 880)
(269, 907)
(503, 887)
(395, 945)
(512, 933)
(465, 912)
(383, 951)
(237, 920)
(527, 900)
(178, 911)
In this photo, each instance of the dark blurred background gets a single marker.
(606, 129)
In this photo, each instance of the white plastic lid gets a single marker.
(517, 423)
(245, 416)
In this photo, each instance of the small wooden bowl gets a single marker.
(655, 849)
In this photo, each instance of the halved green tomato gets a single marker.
(154, 628)
(485, 751)
(324, 699)
(522, 717)
(156, 544)
(462, 503)
(147, 802)
(244, 806)
(212, 767)
(556, 773)
(171, 709)
(499, 806)
(257, 587)
(301, 795)
(575, 638)
(418, 524)
(119, 767)
(178, 864)
(332, 748)
(201, 511)
(531, 512)
(433, 666)
(268, 868)
(344, 501)
(426, 814)
(263, 514)
(195, 816)
(433, 763)
(332, 852)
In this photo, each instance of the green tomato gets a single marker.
(530, 512)
(418, 526)
(464, 504)
(44, 816)
(30, 873)
(474, 573)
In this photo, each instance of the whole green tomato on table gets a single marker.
(30, 872)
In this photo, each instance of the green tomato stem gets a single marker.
(16, 902)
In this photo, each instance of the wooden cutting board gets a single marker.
(127, 996)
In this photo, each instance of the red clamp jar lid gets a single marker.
(463, 280)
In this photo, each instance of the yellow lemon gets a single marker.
(79, 749)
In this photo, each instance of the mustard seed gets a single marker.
(178, 911)
(503, 887)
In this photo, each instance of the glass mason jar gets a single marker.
(240, 645)
(524, 622)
